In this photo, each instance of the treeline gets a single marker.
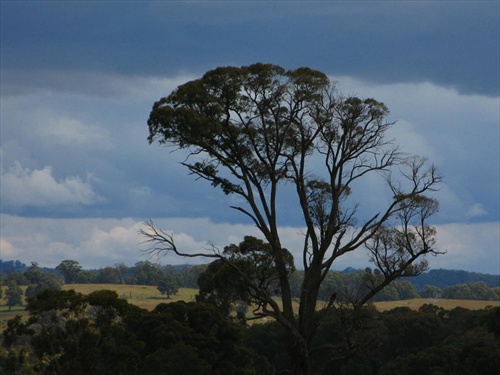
(100, 333)
(71, 272)
(346, 284)
(440, 278)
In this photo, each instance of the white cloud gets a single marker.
(7, 250)
(101, 242)
(411, 142)
(69, 131)
(474, 247)
(24, 187)
(110, 241)
(477, 210)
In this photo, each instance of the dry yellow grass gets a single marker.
(144, 296)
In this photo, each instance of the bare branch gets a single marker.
(162, 243)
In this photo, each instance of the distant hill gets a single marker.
(443, 278)
(9, 266)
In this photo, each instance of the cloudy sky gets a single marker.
(78, 80)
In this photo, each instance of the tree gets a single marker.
(255, 131)
(70, 269)
(406, 290)
(13, 295)
(168, 285)
(191, 274)
(85, 277)
(481, 292)
(79, 334)
(147, 273)
(431, 291)
(109, 275)
(18, 278)
(122, 270)
(226, 284)
(40, 281)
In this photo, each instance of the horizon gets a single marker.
(347, 269)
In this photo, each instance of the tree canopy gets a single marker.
(70, 270)
(168, 285)
(254, 130)
(13, 295)
(238, 282)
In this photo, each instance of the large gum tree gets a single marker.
(255, 131)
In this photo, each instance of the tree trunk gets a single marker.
(299, 355)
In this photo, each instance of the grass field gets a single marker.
(148, 297)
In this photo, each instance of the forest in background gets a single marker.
(439, 283)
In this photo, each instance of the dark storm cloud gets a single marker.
(448, 43)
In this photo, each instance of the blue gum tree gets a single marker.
(256, 130)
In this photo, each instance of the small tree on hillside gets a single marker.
(260, 131)
(13, 295)
(168, 285)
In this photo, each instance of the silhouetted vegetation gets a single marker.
(99, 333)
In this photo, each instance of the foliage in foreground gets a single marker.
(69, 332)
(99, 333)
(396, 342)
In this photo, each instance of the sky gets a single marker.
(78, 80)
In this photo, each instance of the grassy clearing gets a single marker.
(144, 296)
(6, 315)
